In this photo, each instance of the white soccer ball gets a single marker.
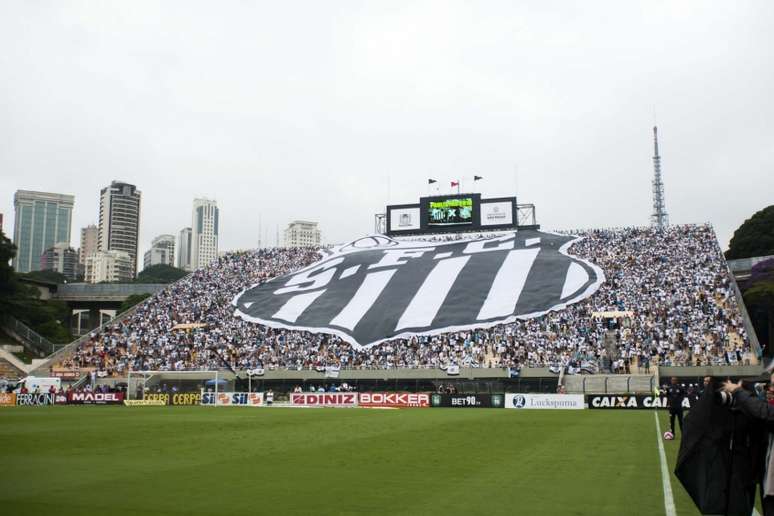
(669, 435)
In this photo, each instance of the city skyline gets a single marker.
(88, 241)
(557, 110)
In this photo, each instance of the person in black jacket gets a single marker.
(761, 410)
(675, 395)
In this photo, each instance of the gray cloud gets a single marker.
(326, 111)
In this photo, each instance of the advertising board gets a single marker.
(544, 401)
(66, 374)
(404, 219)
(175, 398)
(144, 403)
(496, 213)
(34, 400)
(631, 402)
(92, 398)
(467, 400)
(232, 399)
(323, 399)
(393, 399)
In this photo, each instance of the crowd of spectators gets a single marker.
(674, 283)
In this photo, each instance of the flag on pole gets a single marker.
(455, 183)
(431, 181)
(476, 178)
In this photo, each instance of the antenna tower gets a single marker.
(659, 219)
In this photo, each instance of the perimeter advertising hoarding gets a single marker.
(467, 400)
(631, 402)
(232, 399)
(144, 403)
(545, 401)
(394, 399)
(92, 398)
(7, 399)
(34, 400)
(175, 398)
(323, 399)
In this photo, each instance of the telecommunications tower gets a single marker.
(659, 219)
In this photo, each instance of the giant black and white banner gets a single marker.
(377, 288)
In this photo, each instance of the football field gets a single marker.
(229, 460)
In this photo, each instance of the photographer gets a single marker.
(759, 409)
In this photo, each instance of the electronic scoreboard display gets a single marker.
(452, 213)
(448, 212)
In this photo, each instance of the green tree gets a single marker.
(8, 283)
(160, 273)
(21, 301)
(759, 300)
(755, 237)
(48, 276)
(132, 300)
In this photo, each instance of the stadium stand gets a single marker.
(9, 371)
(675, 283)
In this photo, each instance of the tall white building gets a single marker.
(119, 220)
(42, 220)
(109, 266)
(184, 249)
(162, 251)
(204, 233)
(302, 233)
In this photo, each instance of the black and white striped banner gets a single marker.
(377, 288)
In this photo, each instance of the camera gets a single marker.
(725, 399)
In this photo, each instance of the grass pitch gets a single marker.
(223, 460)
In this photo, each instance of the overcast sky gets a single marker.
(328, 110)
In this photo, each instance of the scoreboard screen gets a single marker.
(452, 211)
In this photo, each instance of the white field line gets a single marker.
(669, 501)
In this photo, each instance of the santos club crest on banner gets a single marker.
(377, 288)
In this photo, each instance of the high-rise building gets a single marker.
(302, 233)
(89, 240)
(204, 233)
(42, 220)
(119, 220)
(108, 266)
(60, 258)
(184, 249)
(162, 251)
